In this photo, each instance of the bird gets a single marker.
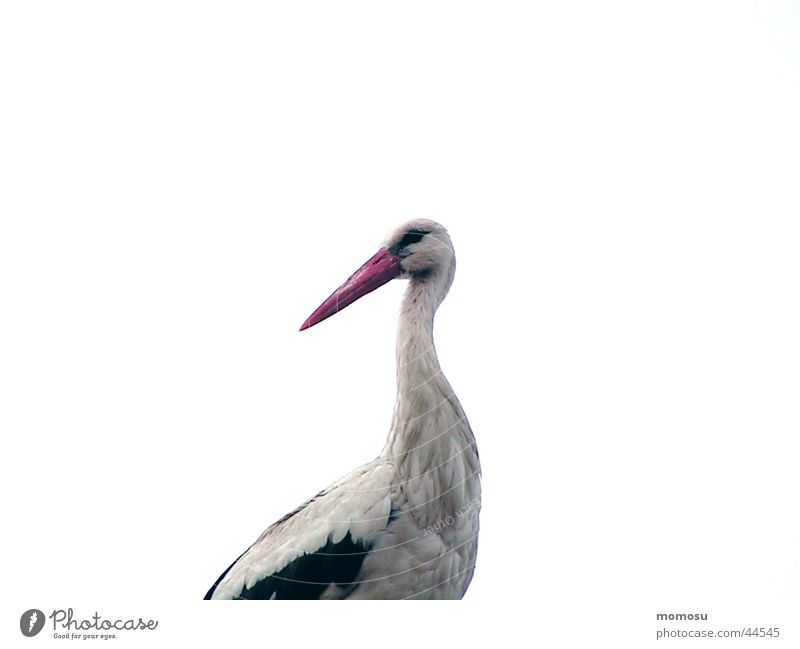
(404, 525)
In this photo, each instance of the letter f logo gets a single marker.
(31, 622)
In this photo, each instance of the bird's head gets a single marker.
(423, 247)
(420, 250)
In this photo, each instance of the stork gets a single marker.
(405, 525)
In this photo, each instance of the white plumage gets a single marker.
(404, 526)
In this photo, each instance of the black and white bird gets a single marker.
(404, 526)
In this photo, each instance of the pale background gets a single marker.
(183, 183)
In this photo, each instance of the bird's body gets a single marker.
(404, 526)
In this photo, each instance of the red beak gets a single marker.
(375, 272)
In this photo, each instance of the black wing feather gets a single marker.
(308, 576)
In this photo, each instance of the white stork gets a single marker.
(404, 526)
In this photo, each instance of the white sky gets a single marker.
(183, 183)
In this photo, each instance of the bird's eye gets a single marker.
(412, 236)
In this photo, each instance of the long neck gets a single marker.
(430, 441)
(422, 388)
(417, 362)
